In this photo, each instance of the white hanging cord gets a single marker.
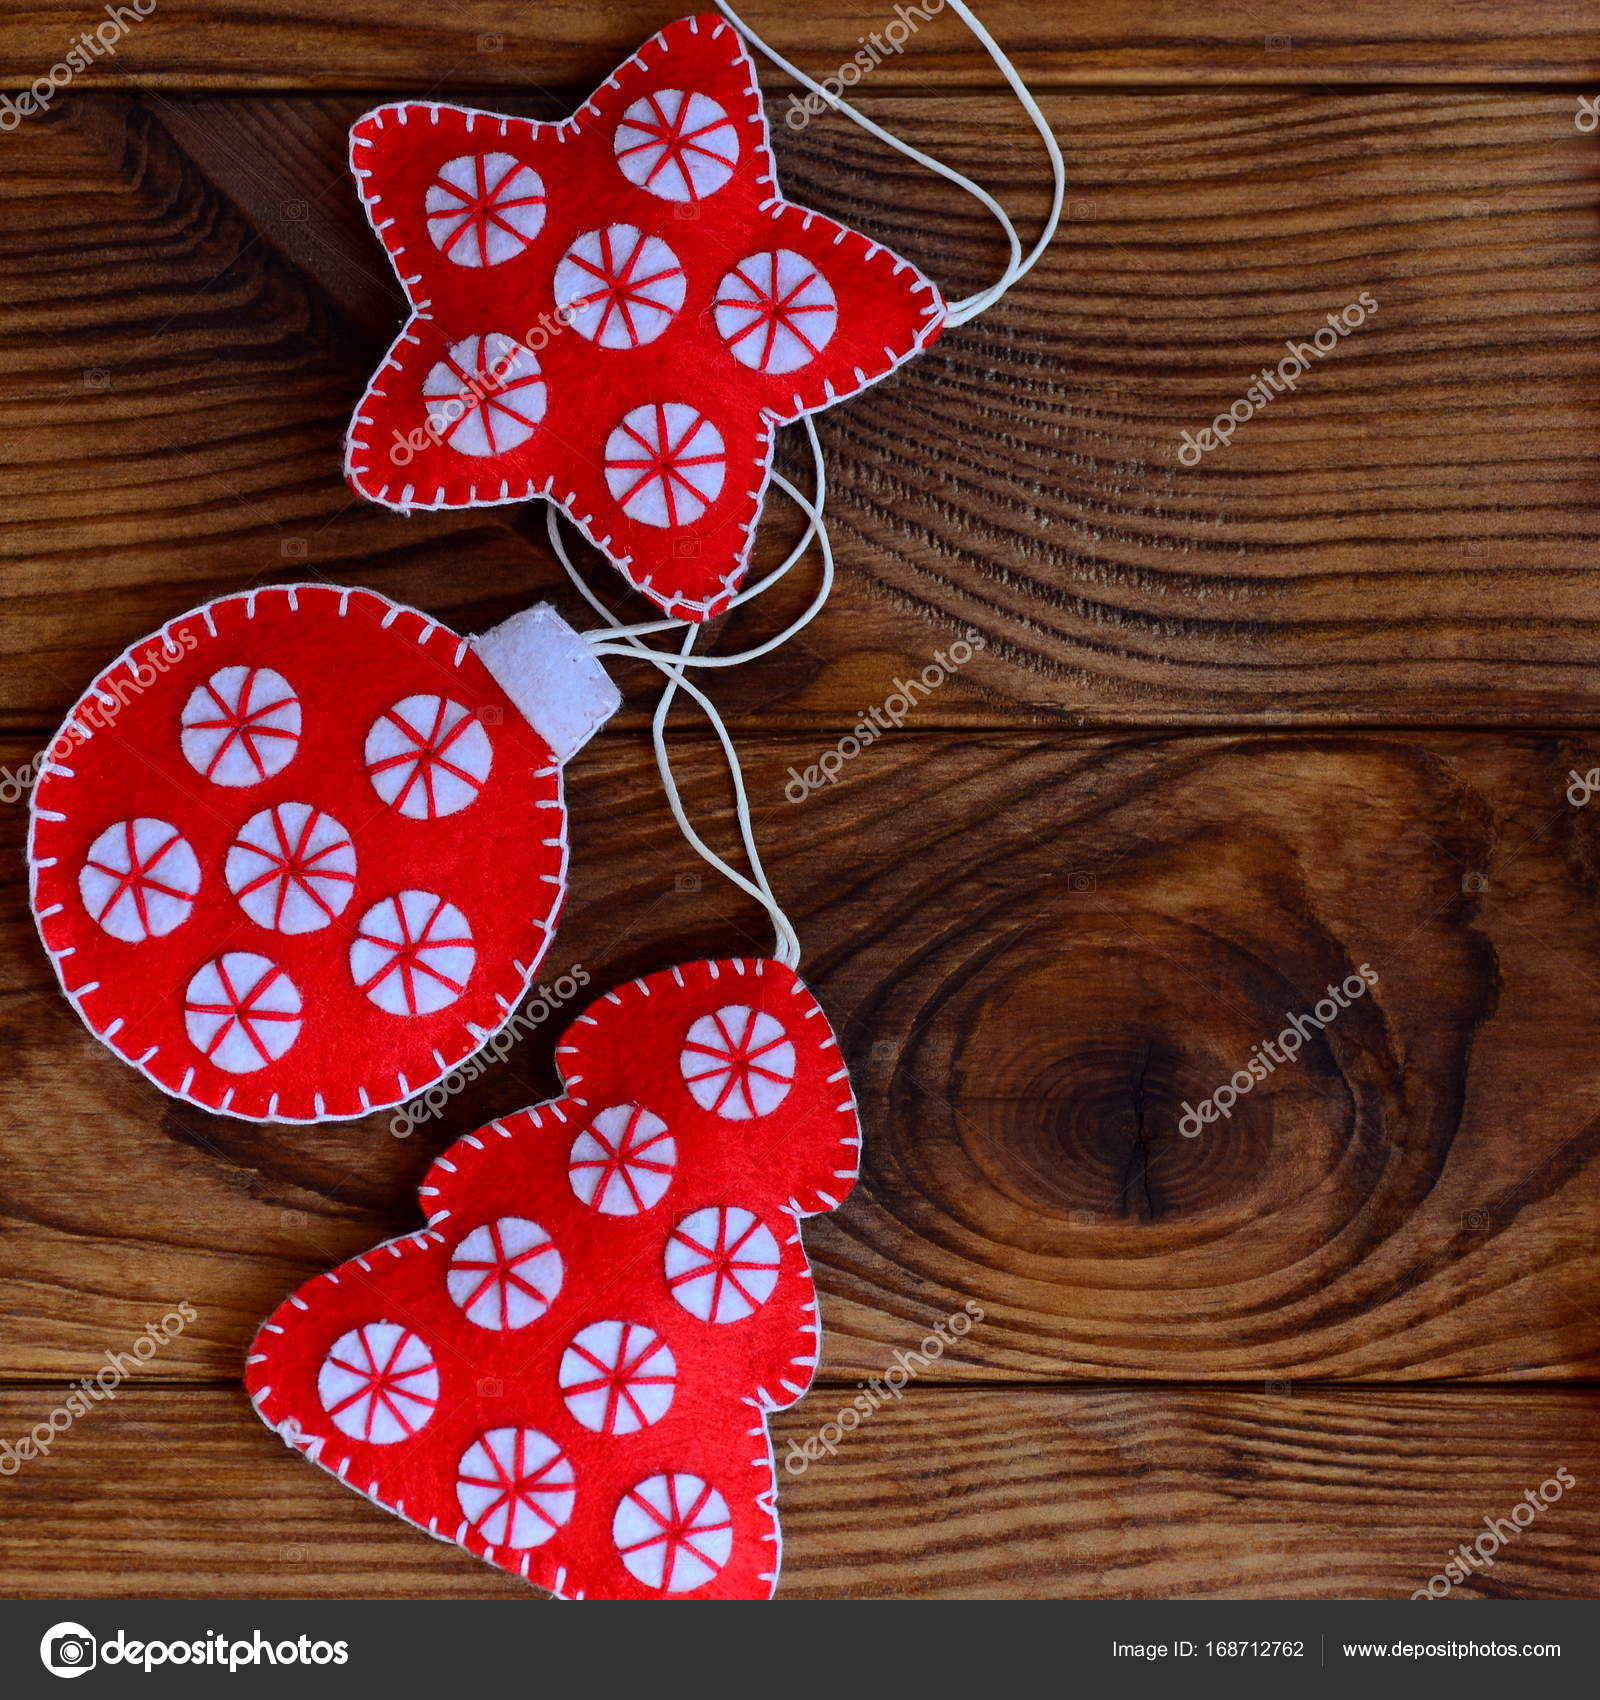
(813, 510)
(601, 639)
(617, 639)
(1019, 265)
(757, 885)
(627, 641)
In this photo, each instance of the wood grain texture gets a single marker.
(1234, 731)
(294, 44)
(1112, 1494)
(192, 304)
(1036, 954)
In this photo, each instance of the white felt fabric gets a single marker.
(552, 675)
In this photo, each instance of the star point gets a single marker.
(615, 311)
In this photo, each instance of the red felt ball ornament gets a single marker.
(298, 855)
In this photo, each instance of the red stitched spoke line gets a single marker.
(775, 314)
(677, 1527)
(475, 385)
(621, 1378)
(293, 864)
(470, 391)
(482, 226)
(721, 1263)
(664, 463)
(427, 753)
(674, 142)
(380, 1383)
(782, 313)
(239, 723)
(242, 1013)
(516, 1487)
(623, 1156)
(479, 388)
(288, 855)
(137, 877)
(736, 1059)
(493, 380)
(403, 954)
(608, 260)
(503, 1268)
(483, 209)
(621, 289)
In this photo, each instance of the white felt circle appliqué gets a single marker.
(682, 147)
(619, 287)
(623, 1162)
(292, 868)
(505, 1274)
(241, 726)
(139, 880)
(776, 312)
(486, 396)
(722, 1264)
(673, 1532)
(515, 1487)
(242, 1012)
(665, 464)
(738, 1062)
(618, 1377)
(413, 954)
(379, 1383)
(428, 756)
(484, 209)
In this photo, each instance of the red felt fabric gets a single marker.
(885, 311)
(347, 657)
(635, 1049)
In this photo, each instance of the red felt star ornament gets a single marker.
(614, 312)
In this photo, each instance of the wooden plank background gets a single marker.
(1235, 730)
(289, 44)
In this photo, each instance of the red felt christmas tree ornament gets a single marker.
(568, 1372)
